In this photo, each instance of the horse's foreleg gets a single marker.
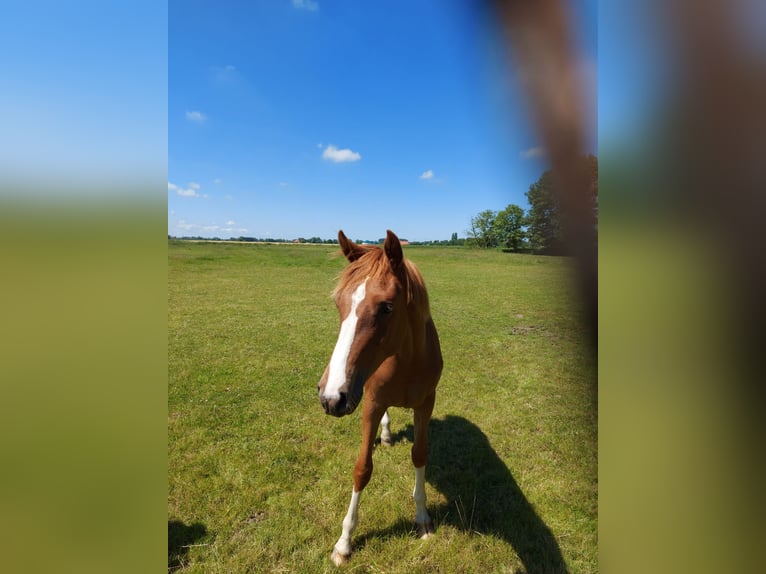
(342, 549)
(371, 416)
(422, 519)
(385, 433)
(419, 460)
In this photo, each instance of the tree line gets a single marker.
(538, 230)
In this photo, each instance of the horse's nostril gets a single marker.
(334, 406)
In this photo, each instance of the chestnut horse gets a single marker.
(387, 351)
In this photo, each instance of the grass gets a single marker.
(259, 478)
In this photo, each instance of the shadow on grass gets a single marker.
(180, 537)
(482, 495)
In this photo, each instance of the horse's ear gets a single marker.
(393, 249)
(351, 250)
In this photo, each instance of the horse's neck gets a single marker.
(415, 337)
(417, 296)
(418, 313)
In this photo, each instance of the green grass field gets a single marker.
(259, 478)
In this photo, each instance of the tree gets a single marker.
(482, 231)
(545, 219)
(509, 227)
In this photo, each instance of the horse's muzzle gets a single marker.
(336, 407)
(348, 397)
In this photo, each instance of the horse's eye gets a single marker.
(386, 307)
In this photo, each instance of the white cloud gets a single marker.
(196, 116)
(190, 191)
(429, 174)
(336, 155)
(537, 151)
(309, 5)
(231, 222)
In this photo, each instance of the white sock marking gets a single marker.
(385, 434)
(343, 545)
(337, 375)
(419, 494)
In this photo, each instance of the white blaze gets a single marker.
(337, 376)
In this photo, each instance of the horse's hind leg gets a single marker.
(385, 433)
(419, 459)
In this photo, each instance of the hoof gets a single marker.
(426, 530)
(385, 442)
(338, 558)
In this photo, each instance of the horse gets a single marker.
(388, 354)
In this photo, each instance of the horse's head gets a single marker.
(372, 304)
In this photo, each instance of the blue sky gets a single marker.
(298, 118)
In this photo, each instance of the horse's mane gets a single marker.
(375, 265)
